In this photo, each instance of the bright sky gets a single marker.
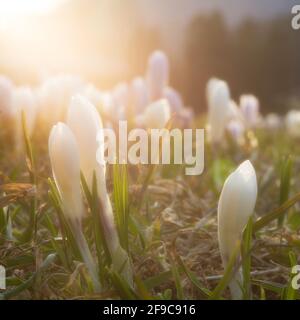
(23, 7)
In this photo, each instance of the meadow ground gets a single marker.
(166, 221)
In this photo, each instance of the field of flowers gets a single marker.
(73, 227)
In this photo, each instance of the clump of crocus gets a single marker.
(157, 75)
(249, 106)
(86, 124)
(292, 123)
(157, 114)
(64, 156)
(218, 98)
(236, 205)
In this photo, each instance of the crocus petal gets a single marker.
(64, 156)
(157, 74)
(249, 106)
(218, 109)
(236, 205)
(139, 94)
(157, 114)
(292, 123)
(85, 123)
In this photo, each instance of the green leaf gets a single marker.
(192, 277)
(229, 272)
(176, 276)
(246, 259)
(275, 214)
(285, 183)
(28, 283)
(121, 202)
(290, 292)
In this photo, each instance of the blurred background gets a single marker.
(250, 44)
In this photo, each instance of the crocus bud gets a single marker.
(54, 97)
(185, 117)
(121, 95)
(218, 109)
(234, 112)
(157, 74)
(24, 102)
(236, 205)
(174, 99)
(94, 95)
(6, 91)
(85, 123)
(64, 156)
(210, 86)
(157, 114)
(249, 105)
(272, 121)
(292, 123)
(139, 94)
(237, 129)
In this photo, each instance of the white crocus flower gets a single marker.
(174, 99)
(54, 95)
(86, 124)
(64, 156)
(236, 205)
(272, 121)
(157, 114)
(120, 95)
(24, 102)
(249, 106)
(218, 96)
(157, 75)
(237, 129)
(94, 95)
(139, 94)
(292, 123)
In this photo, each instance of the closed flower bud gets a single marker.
(85, 123)
(23, 102)
(157, 114)
(236, 205)
(64, 156)
(218, 108)
(237, 129)
(249, 105)
(139, 94)
(54, 97)
(292, 123)
(121, 95)
(174, 99)
(272, 121)
(157, 74)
